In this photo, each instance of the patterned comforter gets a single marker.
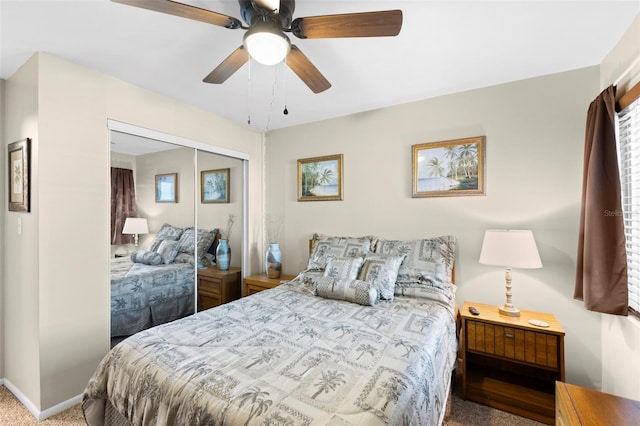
(284, 357)
(143, 295)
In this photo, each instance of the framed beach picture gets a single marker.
(214, 186)
(320, 178)
(19, 156)
(167, 188)
(449, 168)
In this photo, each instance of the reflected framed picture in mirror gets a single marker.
(214, 186)
(167, 188)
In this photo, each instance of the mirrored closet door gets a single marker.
(172, 206)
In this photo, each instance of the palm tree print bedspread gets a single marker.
(285, 357)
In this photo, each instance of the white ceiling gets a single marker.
(444, 47)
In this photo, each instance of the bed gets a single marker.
(156, 285)
(324, 348)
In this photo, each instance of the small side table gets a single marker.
(216, 287)
(511, 364)
(259, 282)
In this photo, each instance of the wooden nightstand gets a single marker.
(216, 287)
(510, 364)
(257, 283)
(576, 405)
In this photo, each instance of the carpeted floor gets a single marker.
(13, 413)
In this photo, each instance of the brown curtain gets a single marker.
(601, 276)
(123, 203)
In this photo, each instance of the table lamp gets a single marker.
(510, 249)
(135, 226)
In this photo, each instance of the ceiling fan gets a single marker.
(265, 40)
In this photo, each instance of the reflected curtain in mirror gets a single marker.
(123, 203)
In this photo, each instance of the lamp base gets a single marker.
(509, 311)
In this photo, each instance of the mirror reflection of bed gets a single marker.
(155, 281)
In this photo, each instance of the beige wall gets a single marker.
(535, 134)
(21, 273)
(620, 335)
(57, 279)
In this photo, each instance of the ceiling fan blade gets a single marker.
(308, 73)
(230, 65)
(185, 11)
(366, 24)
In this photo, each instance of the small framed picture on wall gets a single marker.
(449, 168)
(19, 156)
(167, 188)
(320, 178)
(214, 186)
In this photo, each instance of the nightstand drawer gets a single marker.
(210, 285)
(513, 343)
(216, 287)
(207, 300)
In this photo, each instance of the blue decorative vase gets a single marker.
(273, 261)
(223, 255)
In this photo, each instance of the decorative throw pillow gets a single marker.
(168, 250)
(343, 268)
(186, 243)
(382, 271)
(184, 258)
(432, 257)
(430, 289)
(337, 246)
(146, 257)
(166, 232)
(355, 291)
(169, 232)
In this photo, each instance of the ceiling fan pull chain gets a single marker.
(284, 72)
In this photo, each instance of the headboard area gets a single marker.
(442, 248)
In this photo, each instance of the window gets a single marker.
(629, 157)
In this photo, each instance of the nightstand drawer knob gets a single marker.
(508, 335)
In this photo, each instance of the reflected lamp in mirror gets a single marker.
(510, 249)
(135, 226)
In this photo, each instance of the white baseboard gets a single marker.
(40, 415)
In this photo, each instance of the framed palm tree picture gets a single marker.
(214, 186)
(320, 178)
(449, 168)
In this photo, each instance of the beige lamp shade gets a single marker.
(135, 225)
(510, 248)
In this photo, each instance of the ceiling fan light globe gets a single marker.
(266, 46)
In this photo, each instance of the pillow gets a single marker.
(184, 258)
(343, 268)
(430, 289)
(432, 257)
(205, 261)
(168, 250)
(382, 270)
(355, 291)
(166, 232)
(336, 246)
(146, 257)
(205, 240)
